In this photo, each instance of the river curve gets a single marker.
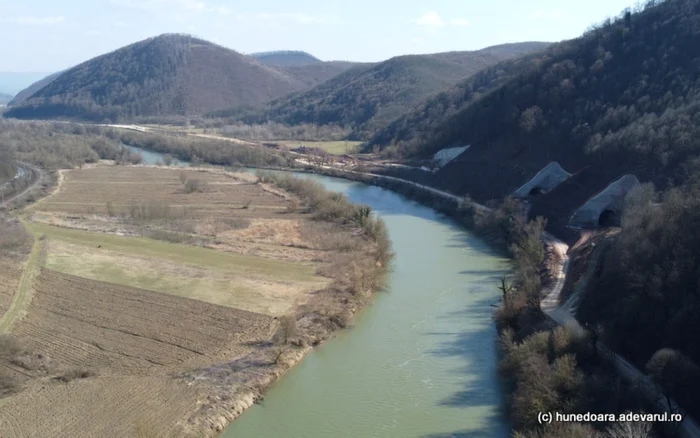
(419, 361)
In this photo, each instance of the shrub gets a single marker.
(75, 373)
(8, 384)
(292, 206)
(236, 223)
(195, 185)
(168, 236)
(287, 330)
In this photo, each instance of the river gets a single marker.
(420, 360)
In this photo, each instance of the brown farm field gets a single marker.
(117, 330)
(91, 189)
(147, 306)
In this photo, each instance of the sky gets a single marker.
(51, 35)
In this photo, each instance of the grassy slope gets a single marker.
(23, 296)
(180, 253)
(332, 147)
(245, 282)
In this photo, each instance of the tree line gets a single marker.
(60, 145)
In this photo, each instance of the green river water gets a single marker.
(420, 360)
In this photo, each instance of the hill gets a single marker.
(623, 98)
(286, 57)
(366, 97)
(166, 75)
(33, 88)
(314, 74)
(418, 132)
(303, 66)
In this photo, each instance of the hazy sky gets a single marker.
(49, 35)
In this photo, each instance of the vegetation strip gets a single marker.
(25, 291)
(178, 253)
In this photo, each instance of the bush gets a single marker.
(13, 237)
(287, 330)
(195, 185)
(168, 236)
(154, 211)
(292, 206)
(8, 384)
(75, 373)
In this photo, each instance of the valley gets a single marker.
(115, 297)
(432, 239)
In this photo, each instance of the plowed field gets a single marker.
(106, 407)
(89, 190)
(114, 329)
(135, 341)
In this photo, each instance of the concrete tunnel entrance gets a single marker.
(609, 218)
(544, 181)
(605, 208)
(536, 191)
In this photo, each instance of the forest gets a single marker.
(59, 145)
(365, 98)
(628, 85)
(199, 150)
(172, 74)
(123, 83)
(644, 296)
(7, 163)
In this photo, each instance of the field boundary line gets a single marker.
(25, 289)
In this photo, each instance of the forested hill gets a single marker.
(365, 98)
(624, 97)
(286, 57)
(303, 66)
(165, 75)
(416, 133)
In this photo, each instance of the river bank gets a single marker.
(419, 361)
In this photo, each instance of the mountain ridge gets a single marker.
(367, 97)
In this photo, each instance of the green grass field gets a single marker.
(245, 282)
(180, 253)
(25, 291)
(332, 147)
